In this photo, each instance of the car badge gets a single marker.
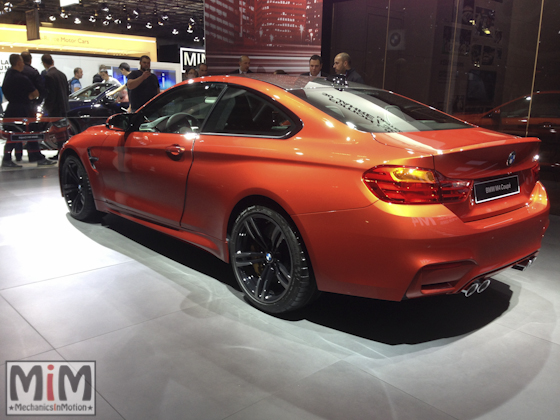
(510, 159)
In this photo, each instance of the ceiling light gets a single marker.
(37, 1)
(190, 29)
(164, 16)
(149, 25)
(77, 21)
(192, 21)
(92, 18)
(174, 31)
(52, 18)
(109, 17)
(8, 7)
(63, 14)
(105, 23)
(104, 7)
(136, 13)
(196, 39)
(128, 26)
(117, 21)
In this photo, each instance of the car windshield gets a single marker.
(92, 91)
(376, 111)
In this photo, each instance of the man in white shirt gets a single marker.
(109, 79)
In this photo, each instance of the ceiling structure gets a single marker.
(172, 20)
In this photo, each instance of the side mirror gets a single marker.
(119, 122)
(107, 99)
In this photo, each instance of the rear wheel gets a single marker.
(77, 191)
(270, 262)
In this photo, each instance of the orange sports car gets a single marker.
(306, 185)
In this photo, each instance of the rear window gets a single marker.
(378, 111)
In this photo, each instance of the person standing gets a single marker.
(343, 65)
(32, 74)
(142, 84)
(75, 84)
(122, 90)
(19, 91)
(97, 76)
(315, 67)
(56, 100)
(244, 64)
(203, 69)
(109, 79)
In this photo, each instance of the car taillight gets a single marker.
(407, 185)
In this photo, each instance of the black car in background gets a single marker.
(89, 106)
(92, 105)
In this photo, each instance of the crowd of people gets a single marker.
(342, 67)
(29, 92)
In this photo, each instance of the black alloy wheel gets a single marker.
(77, 190)
(270, 262)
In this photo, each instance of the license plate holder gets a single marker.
(496, 188)
(27, 137)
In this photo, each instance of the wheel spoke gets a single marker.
(255, 233)
(283, 275)
(244, 259)
(78, 203)
(70, 189)
(277, 237)
(264, 283)
(72, 172)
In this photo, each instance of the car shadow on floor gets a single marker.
(407, 322)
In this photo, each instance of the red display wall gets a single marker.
(275, 34)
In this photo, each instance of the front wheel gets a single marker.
(270, 262)
(77, 191)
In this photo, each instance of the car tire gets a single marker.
(77, 191)
(269, 261)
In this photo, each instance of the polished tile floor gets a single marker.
(173, 338)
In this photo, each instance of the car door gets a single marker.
(241, 143)
(145, 169)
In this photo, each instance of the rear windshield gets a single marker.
(377, 111)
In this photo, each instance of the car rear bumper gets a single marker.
(389, 251)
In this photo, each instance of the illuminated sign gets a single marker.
(192, 57)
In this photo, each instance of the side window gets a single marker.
(181, 110)
(242, 112)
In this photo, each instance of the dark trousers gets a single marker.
(33, 151)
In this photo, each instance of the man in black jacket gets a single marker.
(343, 65)
(315, 67)
(19, 91)
(34, 152)
(142, 84)
(244, 64)
(56, 100)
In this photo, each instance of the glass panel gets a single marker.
(242, 112)
(378, 111)
(93, 91)
(180, 110)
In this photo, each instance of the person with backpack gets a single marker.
(74, 84)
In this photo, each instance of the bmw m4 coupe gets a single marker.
(305, 185)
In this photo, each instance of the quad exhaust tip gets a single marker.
(525, 264)
(476, 287)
